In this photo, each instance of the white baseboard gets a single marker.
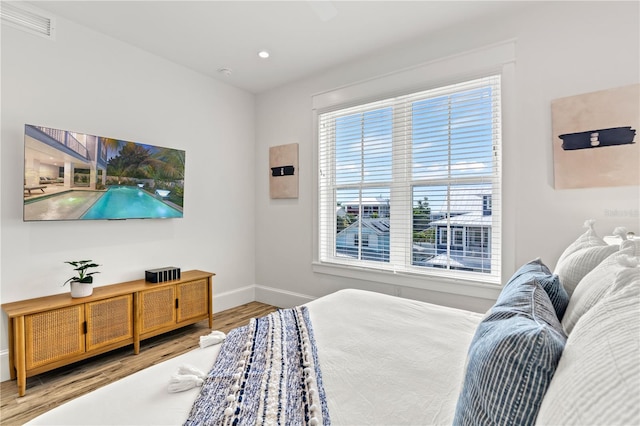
(4, 365)
(231, 299)
(280, 298)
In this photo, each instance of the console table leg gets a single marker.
(136, 323)
(20, 353)
(210, 292)
(12, 349)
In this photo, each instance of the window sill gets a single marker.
(434, 282)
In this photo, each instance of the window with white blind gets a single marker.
(412, 183)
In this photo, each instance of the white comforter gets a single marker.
(387, 360)
(384, 360)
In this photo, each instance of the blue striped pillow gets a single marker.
(549, 282)
(512, 359)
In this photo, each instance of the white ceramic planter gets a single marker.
(81, 290)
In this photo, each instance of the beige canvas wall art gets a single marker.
(595, 139)
(283, 171)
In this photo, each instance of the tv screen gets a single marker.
(76, 176)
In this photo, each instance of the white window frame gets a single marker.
(443, 236)
(457, 237)
(494, 59)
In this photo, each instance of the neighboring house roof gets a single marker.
(468, 219)
(379, 226)
(465, 200)
(368, 201)
(444, 260)
(459, 262)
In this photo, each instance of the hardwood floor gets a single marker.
(48, 390)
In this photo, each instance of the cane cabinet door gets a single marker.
(157, 308)
(109, 321)
(193, 299)
(54, 335)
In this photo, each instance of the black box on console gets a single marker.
(161, 275)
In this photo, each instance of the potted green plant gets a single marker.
(82, 284)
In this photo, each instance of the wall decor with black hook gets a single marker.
(598, 138)
(282, 171)
(594, 138)
(283, 176)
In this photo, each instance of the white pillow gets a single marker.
(597, 380)
(577, 265)
(588, 239)
(597, 282)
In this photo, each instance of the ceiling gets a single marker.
(303, 37)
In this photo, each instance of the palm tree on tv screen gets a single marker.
(172, 162)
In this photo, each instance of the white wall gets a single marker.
(562, 49)
(86, 82)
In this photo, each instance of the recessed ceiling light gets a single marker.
(263, 54)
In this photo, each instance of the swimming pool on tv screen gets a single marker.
(118, 202)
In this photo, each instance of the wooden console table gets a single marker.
(52, 331)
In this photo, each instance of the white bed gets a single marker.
(556, 348)
(395, 354)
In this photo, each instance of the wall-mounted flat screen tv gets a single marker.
(76, 176)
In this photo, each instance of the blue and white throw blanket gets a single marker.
(266, 373)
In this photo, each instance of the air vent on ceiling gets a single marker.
(27, 18)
